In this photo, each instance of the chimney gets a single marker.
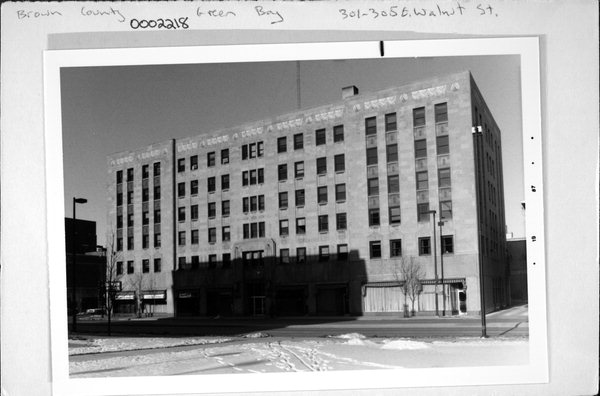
(349, 91)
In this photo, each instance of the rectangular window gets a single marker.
(119, 268)
(119, 199)
(120, 221)
(194, 187)
(372, 156)
(444, 178)
(212, 210)
(246, 204)
(261, 202)
(252, 177)
(422, 180)
(298, 141)
(253, 203)
(441, 112)
(443, 146)
(119, 244)
(320, 137)
(448, 244)
(300, 198)
(226, 233)
(212, 184)
(181, 238)
(224, 182)
(244, 152)
(261, 176)
(419, 117)
(130, 245)
(253, 230)
(181, 214)
(424, 246)
(195, 237)
(157, 265)
(282, 172)
(423, 212)
(391, 152)
(321, 166)
(323, 223)
(421, 148)
(261, 229)
(395, 215)
(340, 192)
(284, 256)
(371, 126)
(226, 260)
(225, 208)
(130, 174)
(157, 239)
(283, 200)
(194, 212)
(322, 195)
(375, 249)
(300, 226)
(340, 163)
(156, 216)
(145, 241)
(323, 253)
(390, 122)
(282, 144)
(224, 156)
(284, 227)
(260, 147)
(156, 168)
(395, 247)
(129, 197)
(181, 190)
(299, 169)
(119, 176)
(194, 162)
(301, 255)
(129, 219)
(340, 221)
(130, 267)
(393, 184)
(252, 150)
(342, 252)
(181, 165)
(212, 235)
(338, 133)
(373, 186)
(156, 192)
(374, 217)
(245, 178)
(145, 171)
(446, 209)
(246, 229)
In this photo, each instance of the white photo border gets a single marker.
(535, 372)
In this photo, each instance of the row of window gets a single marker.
(322, 222)
(195, 264)
(211, 161)
(145, 172)
(375, 251)
(212, 236)
(157, 267)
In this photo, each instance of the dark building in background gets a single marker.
(517, 258)
(314, 211)
(80, 239)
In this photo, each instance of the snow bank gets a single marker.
(404, 345)
(99, 345)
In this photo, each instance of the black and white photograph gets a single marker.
(313, 215)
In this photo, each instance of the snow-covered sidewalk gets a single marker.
(259, 354)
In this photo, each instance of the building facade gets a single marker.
(316, 211)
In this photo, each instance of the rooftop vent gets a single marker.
(347, 92)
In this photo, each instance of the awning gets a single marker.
(125, 296)
(384, 284)
(447, 281)
(154, 294)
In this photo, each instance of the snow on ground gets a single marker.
(259, 354)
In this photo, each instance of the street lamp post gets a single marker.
(441, 223)
(74, 263)
(437, 311)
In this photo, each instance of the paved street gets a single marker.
(512, 322)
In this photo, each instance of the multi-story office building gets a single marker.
(314, 211)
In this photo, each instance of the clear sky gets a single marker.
(112, 109)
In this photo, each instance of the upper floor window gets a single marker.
(119, 176)
(419, 117)
(447, 244)
(145, 171)
(224, 156)
(300, 197)
(224, 182)
(340, 192)
(424, 246)
(375, 249)
(422, 181)
(252, 150)
(130, 174)
(443, 146)
(339, 163)
(320, 137)
(340, 221)
(194, 162)
(301, 226)
(211, 159)
(323, 253)
(371, 126)
(156, 169)
(193, 187)
(282, 172)
(395, 248)
(444, 177)
(423, 212)
(299, 169)
(181, 165)
(181, 190)
(321, 166)
(393, 184)
(391, 151)
(298, 141)
(441, 112)
(212, 184)
(282, 144)
(390, 122)
(322, 195)
(372, 156)
(338, 133)
(421, 148)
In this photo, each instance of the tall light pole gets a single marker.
(441, 223)
(437, 311)
(74, 263)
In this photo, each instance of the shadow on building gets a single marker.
(257, 283)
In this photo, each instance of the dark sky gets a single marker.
(108, 109)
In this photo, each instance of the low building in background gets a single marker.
(318, 211)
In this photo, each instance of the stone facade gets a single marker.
(226, 247)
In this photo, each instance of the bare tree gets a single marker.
(112, 279)
(410, 274)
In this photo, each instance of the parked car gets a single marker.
(93, 312)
